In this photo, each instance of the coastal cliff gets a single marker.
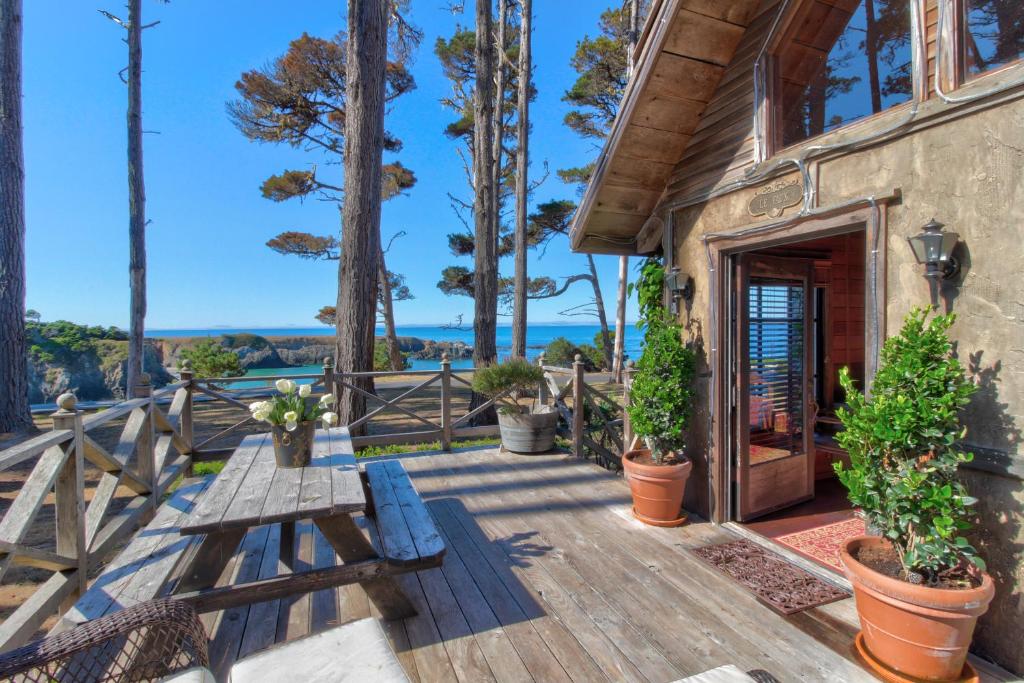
(90, 361)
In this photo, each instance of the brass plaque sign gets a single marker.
(773, 199)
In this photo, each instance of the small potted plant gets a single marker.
(660, 404)
(522, 430)
(919, 585)
(292, 416)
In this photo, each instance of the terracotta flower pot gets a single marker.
(914, 630)
(657, 489)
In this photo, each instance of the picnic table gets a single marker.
(252, 491)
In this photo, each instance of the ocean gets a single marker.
(537, 337)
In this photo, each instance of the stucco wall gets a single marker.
(969, 174)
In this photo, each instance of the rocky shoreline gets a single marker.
(98, 373)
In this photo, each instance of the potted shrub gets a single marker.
(661, 401)
(522, 430)
(919, 585)
(292, 415)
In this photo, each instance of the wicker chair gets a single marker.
(141, 643)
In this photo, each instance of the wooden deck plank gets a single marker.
(465, 653)
(501, 655)
(293, 620)
(226, 636)
(728, 617)
(548, 650)
(324, 604)
(432, 661)
(261, 625)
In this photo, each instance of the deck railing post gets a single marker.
(185, 419)
(329, 376)
(69, 494)
(578, 409)
(446, 402)
(145, 450)
(627, 385)
(542, 390)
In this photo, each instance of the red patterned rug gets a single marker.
(822, 543)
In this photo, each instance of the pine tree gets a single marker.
(14, 410)
(136, 191)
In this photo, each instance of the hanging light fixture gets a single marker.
(933, 248)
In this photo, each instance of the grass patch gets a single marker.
(395, 449)
(201, 469)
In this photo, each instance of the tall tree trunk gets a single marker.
(871, 48)
(485, 261)
(501, 72)
(522, 187)
(136, 198)
(606, 338)
(360, 233)
(387, 309)
(620, 308)
(485, 275)
(14, 412)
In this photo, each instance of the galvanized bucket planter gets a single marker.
(293, 449)
(528, 432)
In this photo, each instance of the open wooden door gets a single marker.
(774, 465)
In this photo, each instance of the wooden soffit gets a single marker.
(682, 54)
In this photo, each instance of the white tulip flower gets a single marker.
(305, 390)
(327, 400)
(255, 407)
(330, 419)
(291, 416)
(285, 386)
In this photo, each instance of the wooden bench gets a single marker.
(143, 570)
(408, 537)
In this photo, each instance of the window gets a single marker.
(842, 60)
(993, 34)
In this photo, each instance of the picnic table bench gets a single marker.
(195, 533)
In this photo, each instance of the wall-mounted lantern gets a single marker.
(679, 286)
(933, 248)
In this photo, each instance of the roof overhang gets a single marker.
(684, 50)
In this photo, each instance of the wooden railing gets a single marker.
(594, 422)
(153, 450)
(156, 445)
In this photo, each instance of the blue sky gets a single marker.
(208, 263)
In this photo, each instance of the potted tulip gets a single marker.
(522, 430)
(292, 415)
(919, 585)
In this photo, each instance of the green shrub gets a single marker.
(515, 374)
(210, 359)
(381, 359)
(244, 339)
(903, 448)
(662, 392)
(561, 351)
(61, 340)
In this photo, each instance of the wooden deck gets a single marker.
(547, 577)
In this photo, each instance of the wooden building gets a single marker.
(779, 153)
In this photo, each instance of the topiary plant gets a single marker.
(903, 450)
(662, 393)
(514, 375)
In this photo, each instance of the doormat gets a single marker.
(823, 543)
(785, 588)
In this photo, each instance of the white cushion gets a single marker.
(723, 674)
(198, 674)
(357, 652)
